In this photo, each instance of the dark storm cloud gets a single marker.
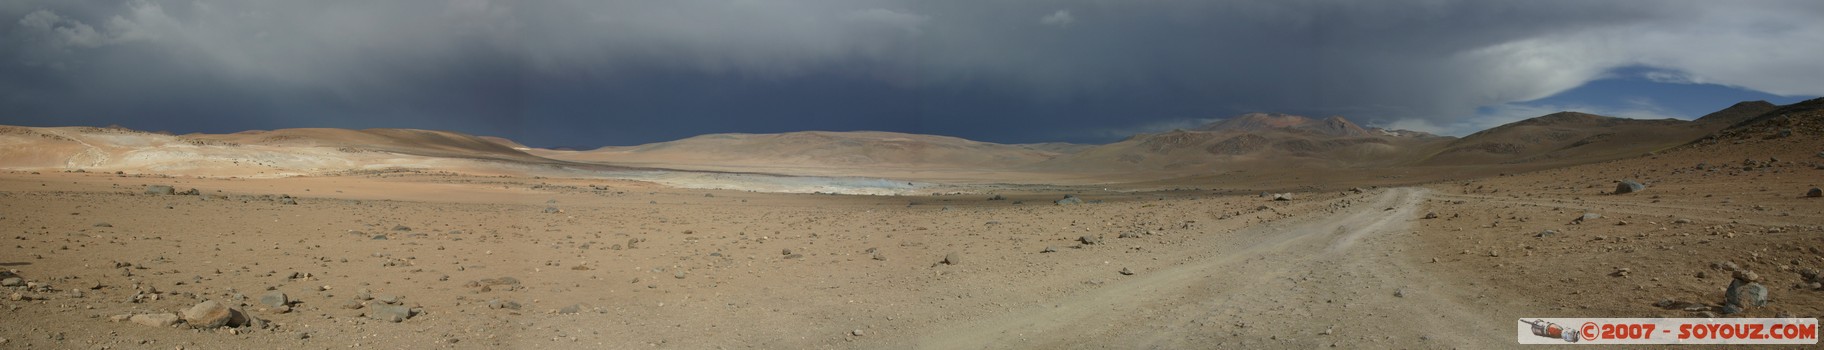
(618, 72)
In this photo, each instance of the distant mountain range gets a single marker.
(1247, 141)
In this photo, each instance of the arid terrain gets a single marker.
(1267, 231)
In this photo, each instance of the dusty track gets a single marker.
(1309, 282)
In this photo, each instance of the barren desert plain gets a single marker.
(419, 239)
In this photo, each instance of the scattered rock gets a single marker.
(1546, 233)
(208, 314)
(1621, 272)
(287, 200)
(997, 198)
(1629, 186)
(1746, 276)
(571, 310)
(388, 299)
(161, 190)
(503, 304)
(1125, 271)
(857, 333)
(1815, 192)
(1399, 293)
(551, 210)
(1129, 235)
(1049, 249)
(1431, 215)
(1670, 304)
(12, 282)
(1087, 239)
(1069, 199)
(952, 259)
(155, 320)
(103, 224)
(275, 299)
(1586, 217)
(1282, 196)
(392, 313)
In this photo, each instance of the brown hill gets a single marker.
(429, 143)
(1739, 112)
(1262, 122)
(1568, 138)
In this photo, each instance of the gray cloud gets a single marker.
(1421, 63)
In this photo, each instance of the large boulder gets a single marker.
(1629, 186)
(208, 314)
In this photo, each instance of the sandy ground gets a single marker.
(632, 264)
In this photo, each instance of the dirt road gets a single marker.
(1337, 278)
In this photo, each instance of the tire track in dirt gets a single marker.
(1291, 283)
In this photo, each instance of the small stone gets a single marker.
(571, 310)
(1621, 272)
(1431, 215)
(1629, 186)
(388, 299)
(1399, 293)
(1049, 249)
(1125, 271)
(161, 190)
(1089, 240)
(275, 299)
(678, 274)
(503, 304)
(12, 282)
(391, 313)
(857, 333)
(1128, 235)
(1746, 276)
(353, 305)
(103, 224)
(1815, 192)
(154, 320)
(787, 251)
(952, 259)
(1546, 233)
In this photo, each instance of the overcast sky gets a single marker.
(592, 73)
